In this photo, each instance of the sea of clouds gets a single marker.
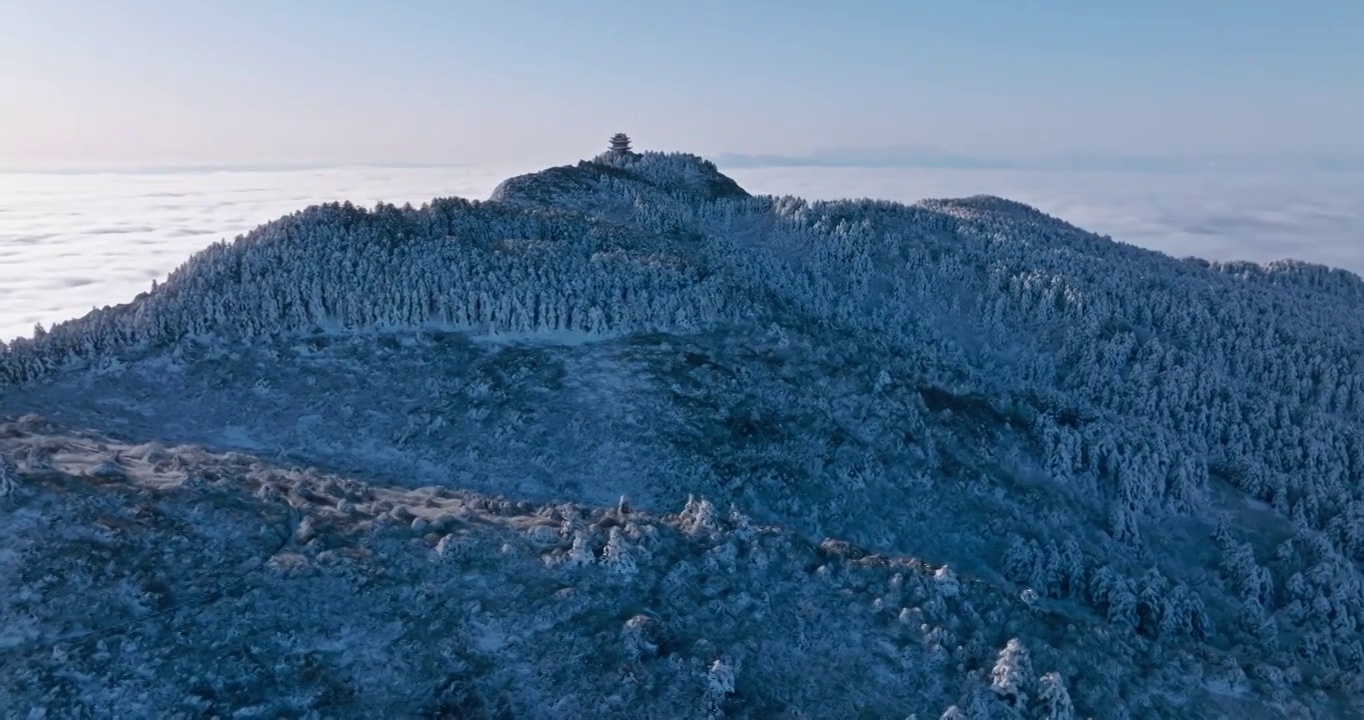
(72, 241)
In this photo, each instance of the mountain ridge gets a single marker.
(1062, 421)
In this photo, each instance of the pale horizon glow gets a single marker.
(258, 82)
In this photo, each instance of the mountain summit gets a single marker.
(622, 173)
(625, 441)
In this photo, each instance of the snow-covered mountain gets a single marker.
(955, 459)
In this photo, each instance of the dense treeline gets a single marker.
(1148, 385)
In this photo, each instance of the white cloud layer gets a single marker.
(70, 242)
(1312, 216)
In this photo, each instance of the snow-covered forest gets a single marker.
(957, 459)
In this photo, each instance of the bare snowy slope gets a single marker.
(368, 462)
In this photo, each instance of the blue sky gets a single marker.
(343, 81)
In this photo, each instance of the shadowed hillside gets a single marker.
(956, 459)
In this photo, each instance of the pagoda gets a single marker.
(620, 143)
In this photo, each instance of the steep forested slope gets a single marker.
(981, 463)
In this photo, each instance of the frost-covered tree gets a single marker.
(1053, 700)
(8, 476)
(1012, 677)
